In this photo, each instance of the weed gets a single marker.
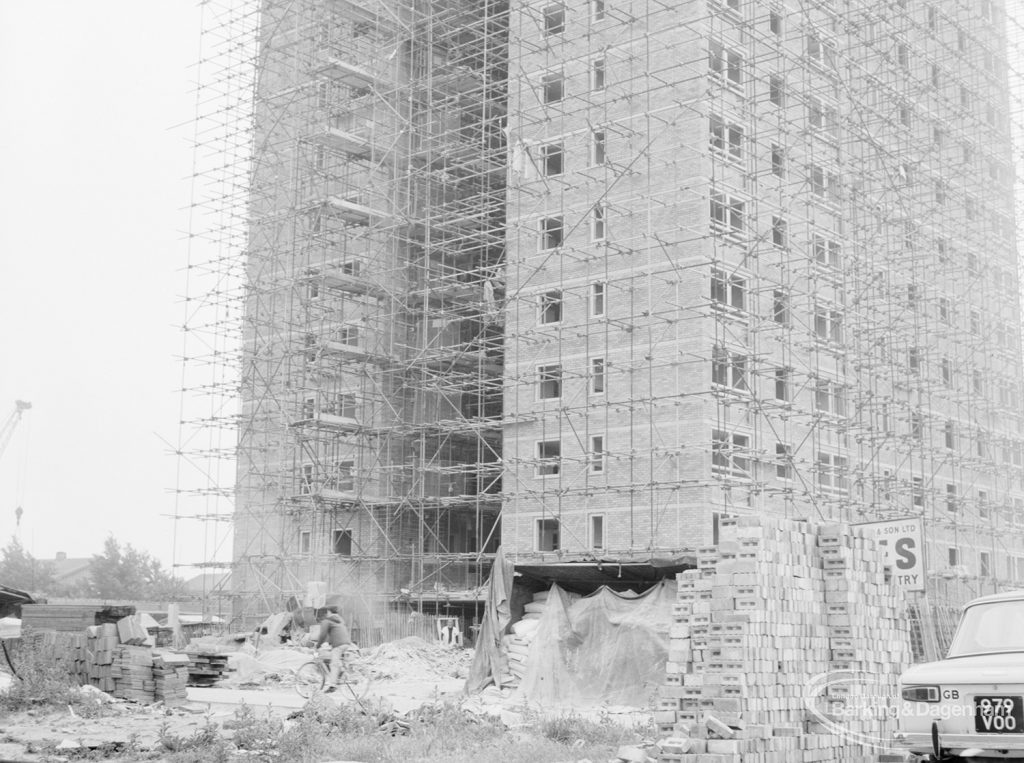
(307, 741)
(346, 718)
(451, 720)
(43, 679)
(255, 734)
(572, 729)
(205, 745)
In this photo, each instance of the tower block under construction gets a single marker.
(579, 278)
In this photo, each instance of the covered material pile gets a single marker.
(608, 648)
(782, 624)
(515, 646)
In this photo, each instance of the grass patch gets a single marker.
(570, 729)
(367, 730)
(439, 732)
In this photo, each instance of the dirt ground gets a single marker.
(401, 676)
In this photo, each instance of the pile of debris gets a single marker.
(711, 741)
(413, 658)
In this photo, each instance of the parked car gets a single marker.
(970, 706)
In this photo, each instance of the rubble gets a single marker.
(413, 658)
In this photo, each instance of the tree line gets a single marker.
(119, 572)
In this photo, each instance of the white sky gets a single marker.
(96, 100)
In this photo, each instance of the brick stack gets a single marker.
(97, 657)
(132, 671)
(865, 632)
(101, 643)
(77, 655)
(755, 623)
(170, 677)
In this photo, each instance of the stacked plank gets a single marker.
(760, 619)
(71, 618)
(206, 668)
(132, 671)
(170, 677)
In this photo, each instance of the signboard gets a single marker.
(904, 550)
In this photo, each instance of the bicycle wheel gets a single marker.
(309, 679)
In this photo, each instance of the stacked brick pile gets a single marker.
(132, 671)
(95, 654)
(866, 632)
(170, 677)
(113, 658)
(774, 605)
(103, 659)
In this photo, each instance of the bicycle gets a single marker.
(311, 676)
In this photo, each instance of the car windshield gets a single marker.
(995, 627)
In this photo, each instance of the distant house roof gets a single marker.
(208, 582)
(70, 570)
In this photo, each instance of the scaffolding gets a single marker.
(372, 251)
(584, 276)
(797, 228)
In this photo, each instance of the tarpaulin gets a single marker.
(604, 649)
(497, 613)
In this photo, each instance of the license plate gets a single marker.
(999, 715)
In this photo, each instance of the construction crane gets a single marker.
(7, 431)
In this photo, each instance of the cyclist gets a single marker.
(334, 632)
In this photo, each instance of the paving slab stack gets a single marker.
(132, 671)
(170, 678)
(88, 653)
(770, 613)
(118, 658)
